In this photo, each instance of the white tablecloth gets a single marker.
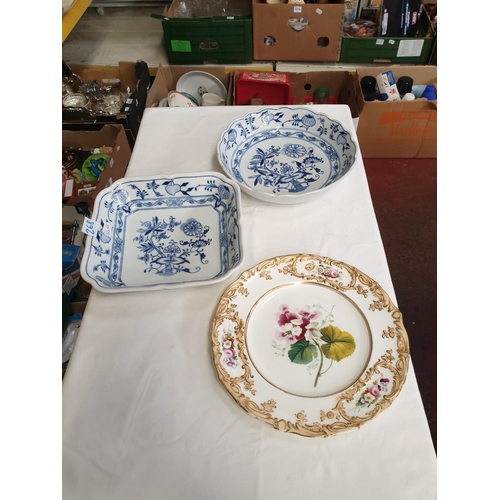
(144, 415)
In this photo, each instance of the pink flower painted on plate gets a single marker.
(373, 393)
(322, 270)
(229, 349)
(310, 342)
(294, 325)
(286, 337)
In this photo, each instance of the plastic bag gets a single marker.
(69, 337)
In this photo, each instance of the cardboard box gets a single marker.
(309, 32)
(341, 85)
(109, 135)
(398, 129)
(134, 76)
(207, 40)
(167, 76)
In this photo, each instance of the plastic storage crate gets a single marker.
(207, 40)
(373, 50)
(398, 50)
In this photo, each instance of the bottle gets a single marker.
(405, 83)
(429, 93)
(385, 22)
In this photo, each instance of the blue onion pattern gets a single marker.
(308, 121)
(224, 192)
(232, 135)
(167, 243)
(120, 196)
(294, 150)
(318, 150)
(192, 227)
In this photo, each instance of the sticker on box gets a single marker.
(180, 45)
(410, 48)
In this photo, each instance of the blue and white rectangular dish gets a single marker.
(166, 231)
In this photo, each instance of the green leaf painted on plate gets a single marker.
(338, 344)
(302, 352)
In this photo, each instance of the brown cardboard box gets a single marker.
(339, 83)
(134, 77)
(167, 76)
(309, 32)
(398, 129)
(109, 135)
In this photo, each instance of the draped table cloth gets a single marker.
(144, 414)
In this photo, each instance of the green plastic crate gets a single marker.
(208, 40)
(385, 49)
(373, 50)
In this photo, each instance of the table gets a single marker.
(144, 415)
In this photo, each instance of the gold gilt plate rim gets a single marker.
(397, 362)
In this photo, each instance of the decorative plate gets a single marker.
(309, 345)
(286, 155)
(197, 83)
(164, 232)
(179, 100)
(94, 165)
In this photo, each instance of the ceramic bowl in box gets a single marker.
(165, 231)
(286, 155)
(180, 100)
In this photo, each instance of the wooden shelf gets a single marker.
(73, 15)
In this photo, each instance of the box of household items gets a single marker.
(315, 87)
(400, 123)
(207, 32)
(390, 31)
(94, 96)
(91, 161)
(297, 31)
(176, 86)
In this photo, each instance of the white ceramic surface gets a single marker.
(176, 99)
(210, 99)
(309, 345)
(197, 83)
(165, 231)
(286, 155)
